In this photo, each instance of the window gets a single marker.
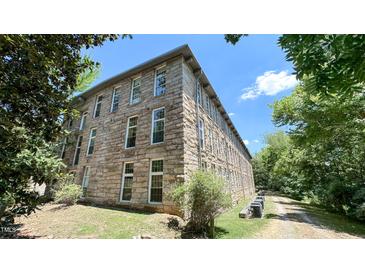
(70, 123)
(210, 134)
(91, 145)
(201, 134)
(98, 106)
(63, 149)
(156, 179)
(136, 91)
(212, 167)
(160, 81)
(83, 121)
(204, 165)
(85, 180)
(158, 125)
(209, 108)
(131, 133)
(127, 181)
(198, 93)
(207, 103)
(77, 150)
(115, 99)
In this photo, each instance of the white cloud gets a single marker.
(270, 83)
(256, 141)
(246, 142)
(231, 113)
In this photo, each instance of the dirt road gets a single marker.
(291, 221)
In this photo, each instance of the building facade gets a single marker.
(148, 128)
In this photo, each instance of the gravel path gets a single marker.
(290, 221)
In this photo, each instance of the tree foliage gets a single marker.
(202, 199)
(324, 158)
(38, 75)
(67, 191)
(332, 63)
(324, 155)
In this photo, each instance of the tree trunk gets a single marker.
(211, 229)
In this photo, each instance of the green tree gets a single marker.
(38, 75)
(330, 135)
(265, 161)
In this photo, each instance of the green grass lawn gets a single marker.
(80, 221)
(229, 226)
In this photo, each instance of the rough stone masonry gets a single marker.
(178, 125)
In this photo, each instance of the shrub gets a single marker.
(6, 202)
(68, 192)
(202, 199)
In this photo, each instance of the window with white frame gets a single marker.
(201, 133)
(210, 134)
(127, 181)
(160, 81)
(207, 103)
(158, 126)
(83, 121)
(204, 165)
(156, 181)
(135, 91)
(131, 135)
(97, 108)
(91, 144)
(117, 93)
(85, 180)
(198, 93)
(77, 151)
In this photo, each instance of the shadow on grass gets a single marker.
(220, 232)
(12, 231)
(144, 211)
(59, 207)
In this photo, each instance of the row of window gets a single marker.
(135, 94)
(157, 134)
(217, 147)
(233, 177)
(155, 189)
(215, 115)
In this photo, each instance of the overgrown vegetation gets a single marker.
(39, 74)
(323, 155)
(202, 199)
(68, 192)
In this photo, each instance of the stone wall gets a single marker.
(110, 154)
(180, 150)
(220, 154)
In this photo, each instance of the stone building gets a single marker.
(147, 128)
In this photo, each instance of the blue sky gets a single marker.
(247, 77)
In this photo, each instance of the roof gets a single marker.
(189, 57)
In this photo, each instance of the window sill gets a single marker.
(155, 203)
(135, 104)
(123, 202)
(160, 143)
(155, 96)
